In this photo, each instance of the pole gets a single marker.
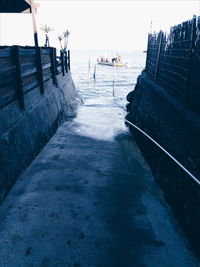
(89, 66)
(94, 75)
(34, 22)
(89, 71)
(114, 72)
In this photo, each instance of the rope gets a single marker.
(166, 152)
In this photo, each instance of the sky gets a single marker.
(111, 25)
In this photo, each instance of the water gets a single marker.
(102, 87)
(102, 115)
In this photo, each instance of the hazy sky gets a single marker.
(98, 24)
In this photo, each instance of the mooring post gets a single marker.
(40, 69)
(19, 88)
(53, 65)
(62, 62)
(94, 74)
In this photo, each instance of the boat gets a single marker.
(112, 62)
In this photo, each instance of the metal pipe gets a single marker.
(166, 152)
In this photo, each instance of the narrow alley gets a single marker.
(89, 199)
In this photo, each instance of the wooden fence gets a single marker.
(24, 68)
(173, 61)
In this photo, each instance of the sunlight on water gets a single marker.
(124, 77)
(102, 115)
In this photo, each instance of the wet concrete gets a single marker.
(89, 199)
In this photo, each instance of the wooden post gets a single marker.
(158, 55)
(69, 59)
(62, 63)
(192, 47)
(19, 89)
(53, 65)
(40, 69)
(147, 55)
(66, 62)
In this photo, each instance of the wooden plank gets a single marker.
(46, 51)
(27, 71)
(6, 52)
(30, 86)
(5, 79)
(27, 51)
(7, 70)
(46, 66)
(19, 89)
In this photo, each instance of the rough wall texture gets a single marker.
(173, 62)
(24, 132)
(177, 129)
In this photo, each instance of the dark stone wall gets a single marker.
(24, 132)
(177, 129)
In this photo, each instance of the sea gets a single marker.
(112, 83)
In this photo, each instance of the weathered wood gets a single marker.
(30, 86)
(19, 88)
(158, 55)
(69, 60)
(46, 66)
(28, 71)
(5, 79)
(62, 63)
(175, 62)
(5, 52)
(46, 51)
(36, 65)
(40, 70)
(53, 65)
(27, 51)
(66, 62)
(190, 69)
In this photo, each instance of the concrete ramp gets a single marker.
(89, 199)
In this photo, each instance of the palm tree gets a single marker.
(66, 37)
(46, 29)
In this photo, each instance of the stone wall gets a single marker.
(23, 132)
(177, 129)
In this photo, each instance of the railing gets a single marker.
(164, 150)
(24, 68)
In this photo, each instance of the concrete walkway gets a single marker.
(89, 199)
